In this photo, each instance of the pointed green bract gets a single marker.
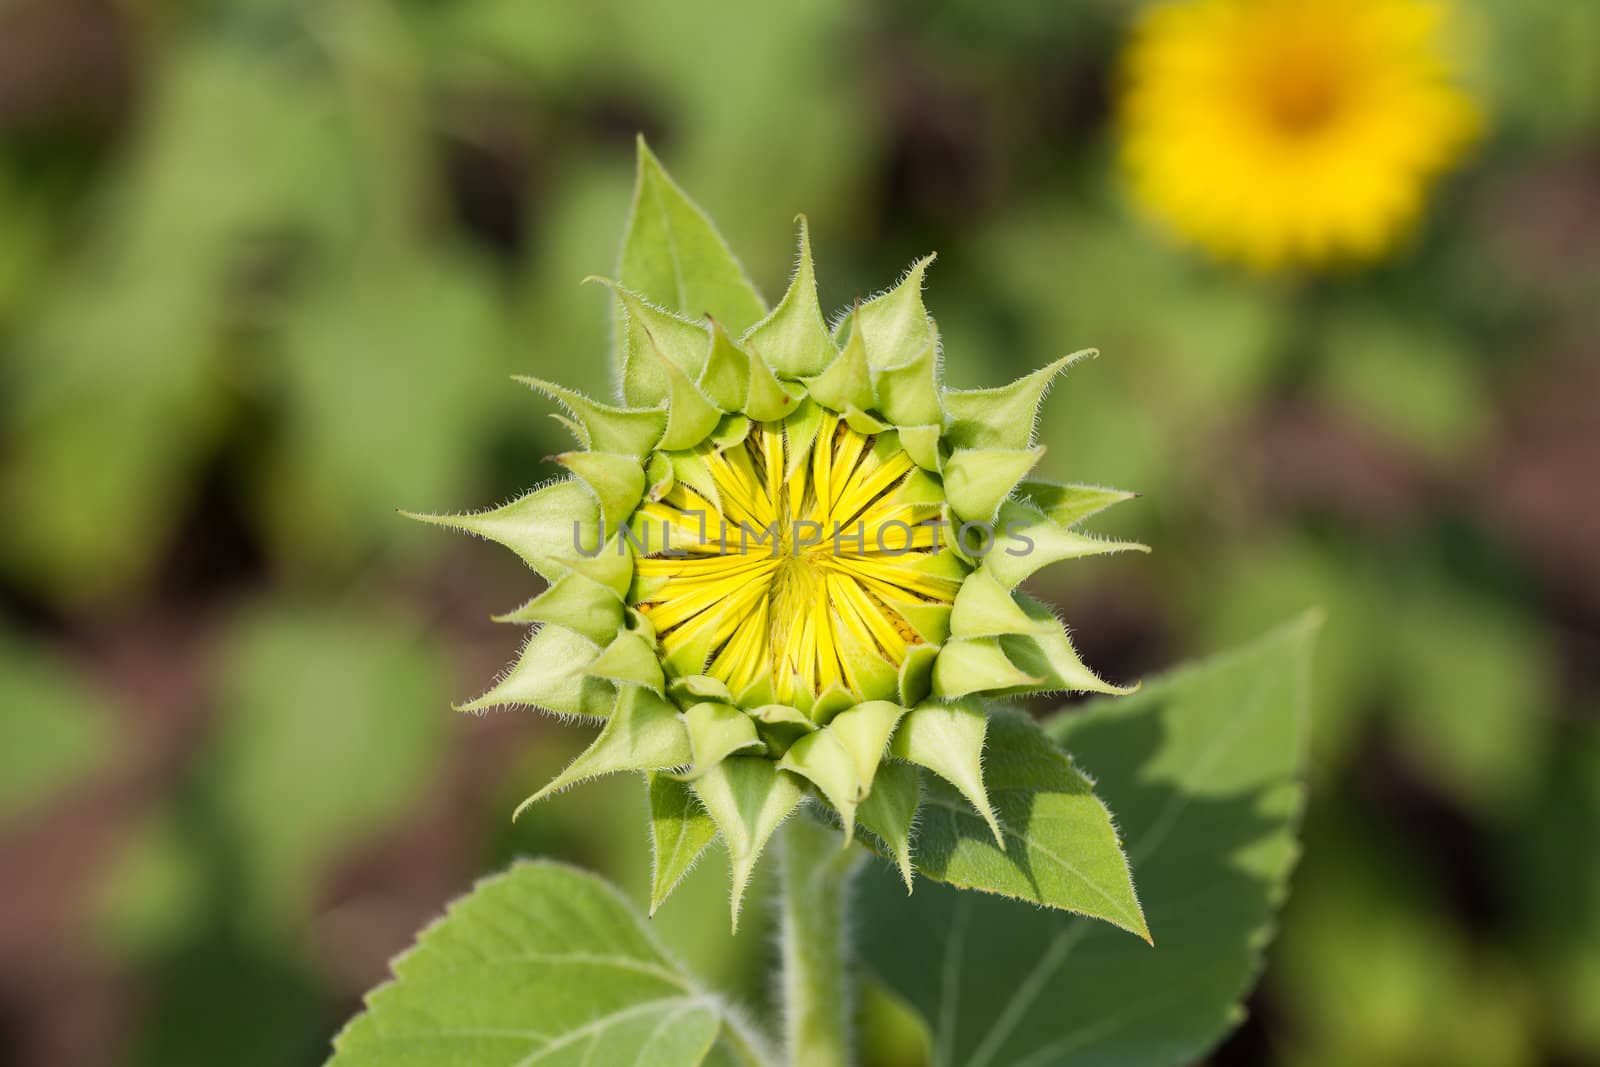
(659, 476)
(908, 393)
(1068, 505)
(691, 656)
(890, 812)
(690, 469)
(693, 688)
(794, 339)
(847, 384)
(1047, 652)
(948, 739)
(578, 603)
(769, 399)
(611, 566)
(545, 527)
(748, 798)
(931, 621)
(616, 481)
(630, 660)
(717, 731)
(1039, 543)
(895, 326)
(801, 431)
(680, 830)
(730, 432)
(551, 673)
(648, 335)
(643, 734)
(985, 608)
(673, 254)
(821, 758)
(606, 428)
(922, 445)
(864, 731)
(976, 481)
(1004, 417)
(842, 758)
(780, 726)
(916, 674)
(691, 416)
(726, 378)
(970, 665)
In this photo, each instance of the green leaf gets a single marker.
(542, 964)
(1060, 848)
(680, 830)
(1204, 770)
(673, 255)
(54, 729)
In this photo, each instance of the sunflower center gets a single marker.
(1297, 80)
(794, 562)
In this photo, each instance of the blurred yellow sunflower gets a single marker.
(1291, 132)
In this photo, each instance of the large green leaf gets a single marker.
(543, 964)
(1060, 848)
(1204, 771)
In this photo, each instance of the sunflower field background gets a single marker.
(267, 265)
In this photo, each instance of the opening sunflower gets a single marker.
(787, 564)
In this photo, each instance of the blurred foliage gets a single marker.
(265, 266)
(55, 731)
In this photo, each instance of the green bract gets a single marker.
(828, 663)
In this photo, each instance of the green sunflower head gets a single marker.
(785, 565)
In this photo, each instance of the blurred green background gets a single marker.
(265, 269)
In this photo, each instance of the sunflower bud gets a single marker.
(787, 566)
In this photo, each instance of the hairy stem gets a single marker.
(816, 987)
